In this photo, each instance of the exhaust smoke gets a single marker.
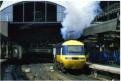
(79, 15)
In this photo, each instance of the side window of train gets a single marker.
(58, 51)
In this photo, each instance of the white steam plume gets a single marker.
(79, 15)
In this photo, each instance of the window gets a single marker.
(28, 11)
(18, 12)
(58, 51)
(60, 13)
(7, 14)
(39, 11)
(51, 12)
(73, 50)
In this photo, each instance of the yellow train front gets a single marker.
(70, 55)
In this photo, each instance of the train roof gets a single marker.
(73, 42)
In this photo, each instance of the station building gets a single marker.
(38, 23)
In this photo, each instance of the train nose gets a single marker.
(74, 62)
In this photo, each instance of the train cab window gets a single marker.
(70, 50)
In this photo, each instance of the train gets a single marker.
(70, 55)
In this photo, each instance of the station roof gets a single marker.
(102, 27)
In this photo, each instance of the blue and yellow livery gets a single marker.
(70, 55)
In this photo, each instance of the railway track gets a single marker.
(47, 72)
(15, 70)
(11, 71)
